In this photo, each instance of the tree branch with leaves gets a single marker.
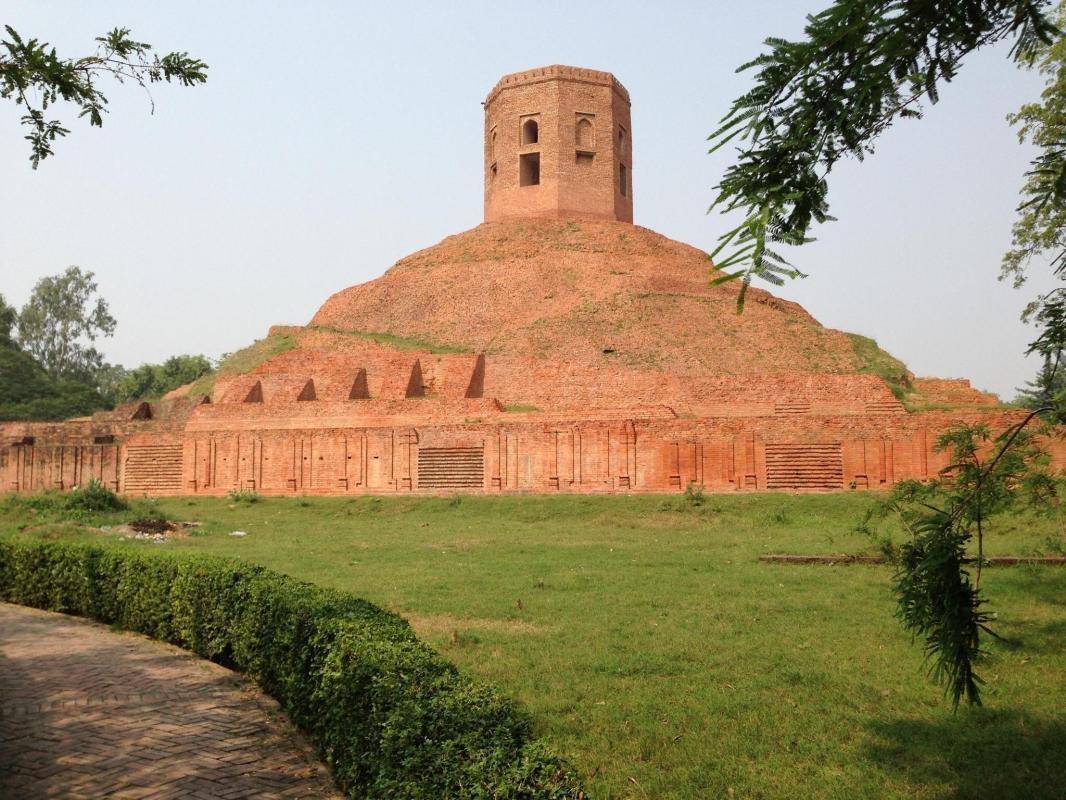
(862, 65)
(939, 598)
(36, 78)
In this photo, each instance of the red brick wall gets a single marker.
(285, 450)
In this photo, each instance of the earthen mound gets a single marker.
(591, 293)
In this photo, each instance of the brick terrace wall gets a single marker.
(579, 456)
(32, 468)
(953, 391)
(285, 454)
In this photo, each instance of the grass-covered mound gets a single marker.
(876, 361)
(243, 361)
(391, 717)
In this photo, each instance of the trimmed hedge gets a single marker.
(391, 717)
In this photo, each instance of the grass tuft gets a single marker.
(393, 340)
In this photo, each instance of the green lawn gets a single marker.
(663, 659)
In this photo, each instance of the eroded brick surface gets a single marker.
(86, 712)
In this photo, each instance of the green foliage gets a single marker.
(694, 495)
(50, 373)
(27, 392)
(939, 603)
(36, 77)
(150, 381)
(62, 313)
(8, 316)
(389, 715)
(21, 378)
(876, 361)
(244, 360)
(938, 599)
(93, 501)
(394, 340)
(248, 496)
(93, 498)
(1048, 387)
(1040, 228)
(862, 65)
(520, 408)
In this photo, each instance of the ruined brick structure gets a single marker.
(556, 347)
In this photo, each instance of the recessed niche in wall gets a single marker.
(360, 390)
(584, 135)
(415, 387)
(529, 169)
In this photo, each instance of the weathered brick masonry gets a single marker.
(555, 348)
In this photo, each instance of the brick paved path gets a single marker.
(86, 712)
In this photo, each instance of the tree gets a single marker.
(862, 65)
(1045, 389)
(62, 313)
(1040, 229)
(8, 316)
(154, 380)
(34, 76)
(28, 392)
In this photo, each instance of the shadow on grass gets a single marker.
(977, 755)
(1044, 638)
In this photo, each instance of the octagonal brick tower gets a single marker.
(558, 143)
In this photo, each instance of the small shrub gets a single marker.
(79, 502)
(93, 498)
(779, 517)
(694, 495)
(248, 496)
(1055, 544)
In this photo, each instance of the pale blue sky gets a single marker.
(334, 138)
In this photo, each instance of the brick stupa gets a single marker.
(556, 347)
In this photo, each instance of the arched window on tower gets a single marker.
(530, 132)
(585, 136)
